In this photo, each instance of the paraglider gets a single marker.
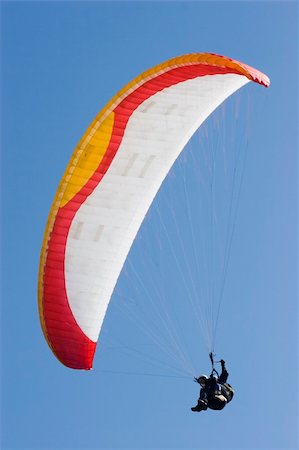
(215, 392)
(109, 185)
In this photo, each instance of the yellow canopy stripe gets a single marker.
(88, 159)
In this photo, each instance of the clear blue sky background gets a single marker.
(61, 62)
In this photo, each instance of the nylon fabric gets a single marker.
(109, 185)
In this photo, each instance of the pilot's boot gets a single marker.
(201, 406)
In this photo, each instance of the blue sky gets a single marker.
(61, 63)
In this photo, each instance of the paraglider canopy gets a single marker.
(109, 184)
